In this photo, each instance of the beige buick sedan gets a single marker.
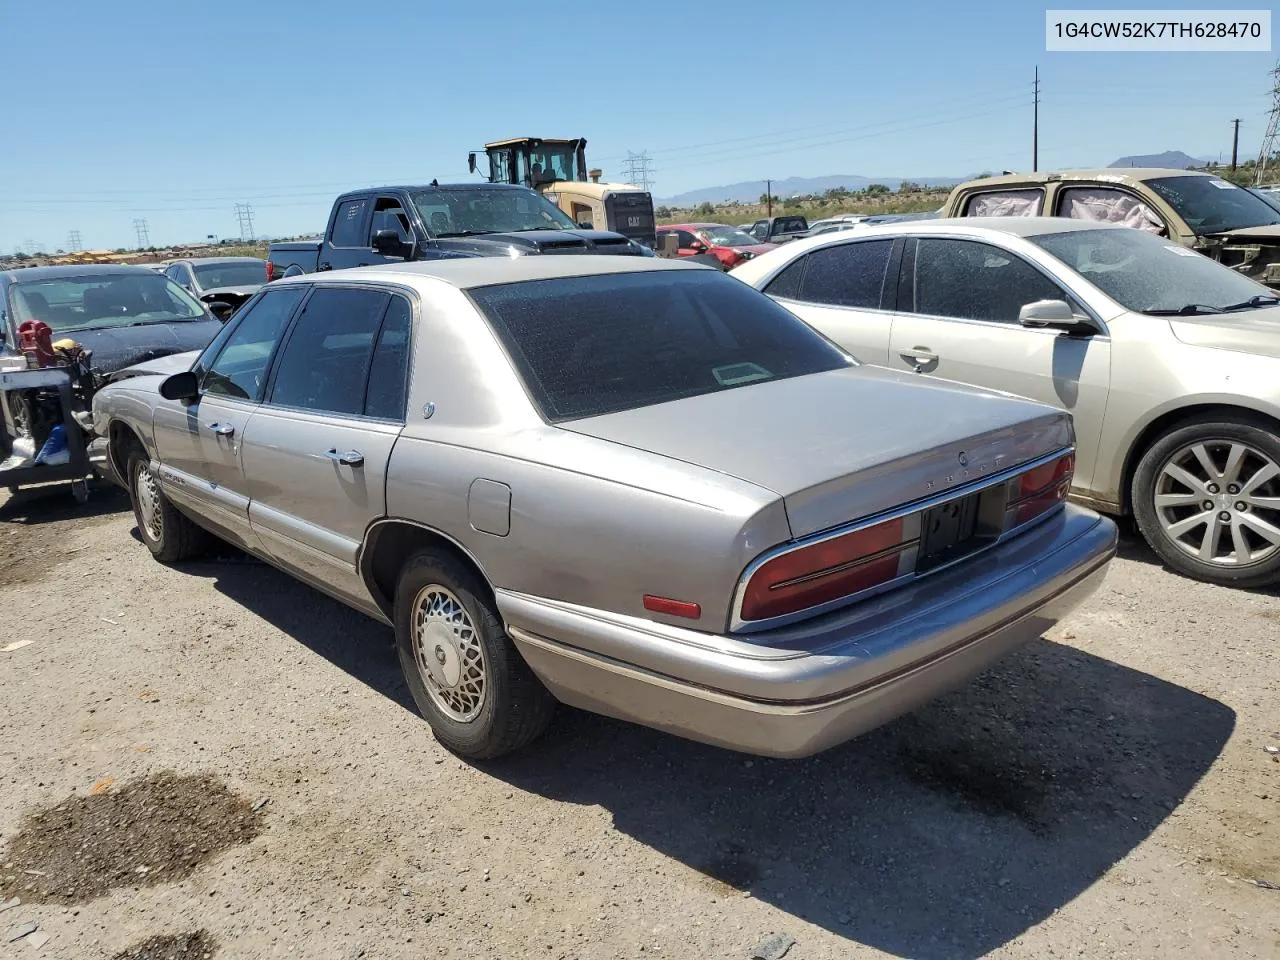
(1169, 361)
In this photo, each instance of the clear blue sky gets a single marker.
(176, 111)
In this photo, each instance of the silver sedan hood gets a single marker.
(846, 444)
(1253, 331)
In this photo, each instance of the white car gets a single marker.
(1168, 361)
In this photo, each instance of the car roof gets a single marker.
(200, 261)
(692, 226)
(1103, 174)
(469, 272)
(363, 191)
(73, 270)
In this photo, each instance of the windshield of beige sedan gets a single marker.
(1149, 274)
(587, 346)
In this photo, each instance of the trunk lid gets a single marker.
(846, 444)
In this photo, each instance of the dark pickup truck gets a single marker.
(779, 229)
(395, 224)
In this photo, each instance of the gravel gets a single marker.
(1102, 792)
(182, 946)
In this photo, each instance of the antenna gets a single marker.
(140, 226)
(244, 215)
(1273, 129)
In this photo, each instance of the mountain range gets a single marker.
(749, 191)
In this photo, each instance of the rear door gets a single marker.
(199, 444)
(316, 451)
(841, 291)
(957, 319)
(346, 243)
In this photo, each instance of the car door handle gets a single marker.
(222, 429)
(919, 358)
(350, 458)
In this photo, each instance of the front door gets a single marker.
(957, 319)
(316, 451)
(839, 290)
(199, 444)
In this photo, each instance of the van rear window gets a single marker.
(587, 346)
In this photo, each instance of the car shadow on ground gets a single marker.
(49, 503)
(1133, 547)
(945, 834)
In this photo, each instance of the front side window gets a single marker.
(965, 279)
(241, 353)
(1005, 203)
(1148, 274)
(102, 301)
(847, 275)
(347, 223)
(324, 366)
(1108, 205)
(389, 214)
(586, 346)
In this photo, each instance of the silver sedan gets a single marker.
(1168, 361)
(630, 485)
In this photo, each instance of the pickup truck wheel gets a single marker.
(1207, 499)
(467, 678)
(169, 535)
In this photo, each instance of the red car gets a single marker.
(730, 245)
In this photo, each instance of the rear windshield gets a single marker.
(586, 346)
(241, 273)
(782, 225)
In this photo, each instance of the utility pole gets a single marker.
(244, 214)
(73, 241)
(768, 198)
(1235, 144)
(140, 225)
(1035, 123)
(1273, 129)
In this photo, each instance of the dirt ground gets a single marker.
(1105, 792)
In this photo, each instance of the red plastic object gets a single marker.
(35, 339)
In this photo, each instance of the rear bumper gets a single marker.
(797, 691)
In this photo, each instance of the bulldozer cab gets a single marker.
(534, 161)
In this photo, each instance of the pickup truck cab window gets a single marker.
(348, 223)
(389, 214)
(239, 356)
(324, 364)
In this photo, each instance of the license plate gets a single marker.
(947, 530)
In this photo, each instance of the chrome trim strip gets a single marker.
(739, 625)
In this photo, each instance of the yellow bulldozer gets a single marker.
(558, 170)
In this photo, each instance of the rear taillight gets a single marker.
(825, 571)
(1040, 489)
(271, 269)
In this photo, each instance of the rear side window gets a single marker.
(347, 224)
(847, 275)
(586, 346)
(1005, 203)
(389, 371)
(325, 364)
(789, 225)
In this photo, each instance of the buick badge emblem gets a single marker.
(964, 460)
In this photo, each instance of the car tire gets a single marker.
(466, 676)
(1197, 498)
(169, 535)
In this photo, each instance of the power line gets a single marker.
(73, 241)
(1273, 128)
(244, 214)
(140, 225)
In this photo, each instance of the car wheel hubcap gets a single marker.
(448, 653)
(148, 494)
(1219, 501)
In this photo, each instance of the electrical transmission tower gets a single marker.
(637, 169)
(1273, 131)
(31, 247)
(140, 225)
(73, 241)
(244, 214)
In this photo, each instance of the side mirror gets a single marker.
(471, 162)
(586, 225)
(698, 245)
(221, 309)
(1054, 314)
(388, 243)
(180, 386)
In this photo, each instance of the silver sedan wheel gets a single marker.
(447, 650)
(148, 495)
(1219, 501)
